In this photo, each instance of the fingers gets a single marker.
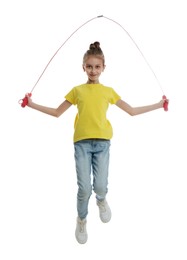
(29, 100)
(165, 103)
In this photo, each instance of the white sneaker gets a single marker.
(104, 211)
(80, 232)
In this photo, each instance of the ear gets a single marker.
(104, 67)
(83, 67)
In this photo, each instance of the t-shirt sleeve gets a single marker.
(71, 97)
(114, 97)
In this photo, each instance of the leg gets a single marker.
(100, 163)
(83, 169)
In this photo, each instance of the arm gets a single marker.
(133, 111)
(56, 112)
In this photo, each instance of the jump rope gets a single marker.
(24, 101)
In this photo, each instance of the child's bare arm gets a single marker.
(56, 112)
(133, 111)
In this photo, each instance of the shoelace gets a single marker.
(102, 206)
(82, 226)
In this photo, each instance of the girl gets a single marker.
(92, 135)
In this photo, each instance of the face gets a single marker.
(93, 67)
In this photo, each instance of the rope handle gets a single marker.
(165, 105)
(24, 101)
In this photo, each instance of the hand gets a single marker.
(29, 100)
(163, 101)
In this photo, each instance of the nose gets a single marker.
(93, 70)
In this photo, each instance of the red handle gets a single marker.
(165, 105)
(24, 101)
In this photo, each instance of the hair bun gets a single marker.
(95, 45)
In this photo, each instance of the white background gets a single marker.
(147, 183)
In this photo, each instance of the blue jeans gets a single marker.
(91, 156)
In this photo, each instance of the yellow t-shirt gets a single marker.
(92, 102)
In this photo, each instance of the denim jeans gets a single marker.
(91, 156)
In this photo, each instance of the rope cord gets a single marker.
(99, 16)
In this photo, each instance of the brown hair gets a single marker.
(94, 50)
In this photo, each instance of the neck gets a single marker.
(92, 81)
